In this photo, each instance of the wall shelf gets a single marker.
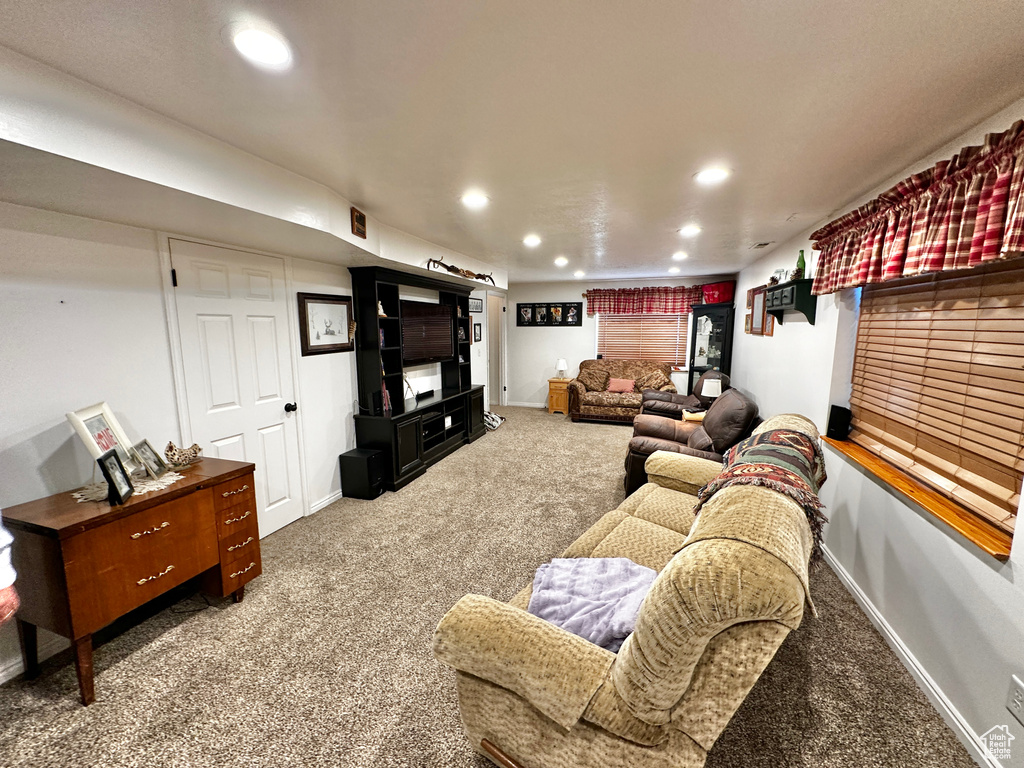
(794, 295)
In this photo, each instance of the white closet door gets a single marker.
(232, 316)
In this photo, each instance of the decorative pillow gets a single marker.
(620, 385)
(652, 380)
(594, 379)
(700, 440)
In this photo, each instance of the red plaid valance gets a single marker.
(958, 214)
(642, 301)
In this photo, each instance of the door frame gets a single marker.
(174, 336)
(503, 352)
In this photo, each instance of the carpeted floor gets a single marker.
(328, 662)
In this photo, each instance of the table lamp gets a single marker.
(711, 388)
(561, 367)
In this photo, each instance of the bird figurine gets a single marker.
(182, 457)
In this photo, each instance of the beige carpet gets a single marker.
(328, 663)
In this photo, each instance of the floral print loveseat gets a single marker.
(588, 404)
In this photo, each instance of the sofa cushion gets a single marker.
(613, 399)
(652, 380)
(642, 542)
(620, 385)
(594, 379)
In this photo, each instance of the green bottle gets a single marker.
(800, 265)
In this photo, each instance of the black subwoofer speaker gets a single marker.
(838, 422)
(362, 473)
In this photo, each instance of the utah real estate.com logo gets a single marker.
(997, 742)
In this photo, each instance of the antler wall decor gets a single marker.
(438, 264)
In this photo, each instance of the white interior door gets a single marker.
(237, 363)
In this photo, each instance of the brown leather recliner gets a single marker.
(731, 418)
(672, 405)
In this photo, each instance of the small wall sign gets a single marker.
(358, 223)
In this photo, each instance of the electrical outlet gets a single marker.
(1015, 699)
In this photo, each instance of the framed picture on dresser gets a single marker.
(119, 485)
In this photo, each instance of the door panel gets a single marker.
(231, 447)
(237, 360)
(265, 354)
(220, 369)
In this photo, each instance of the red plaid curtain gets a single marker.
(643, 301)
(960, 213)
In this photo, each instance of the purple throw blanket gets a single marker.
(597, 598)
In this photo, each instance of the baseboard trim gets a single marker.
(941, 702)
(528, 405)
(48, 646)
(325, 502)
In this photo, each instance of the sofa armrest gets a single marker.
(687, 470)
(666, 396)
(576, 391)
(556, 671)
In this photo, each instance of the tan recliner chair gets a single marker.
(713, 619)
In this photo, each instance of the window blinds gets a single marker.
(938, 383)
(642, 337)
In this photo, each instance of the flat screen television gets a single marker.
(426, 332)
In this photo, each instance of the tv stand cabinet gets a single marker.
(412, 434)
(424, 433)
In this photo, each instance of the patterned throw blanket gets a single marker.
(784, 460)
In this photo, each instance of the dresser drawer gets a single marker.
(123, 564)
(240, 491)
(237, 519)
(239, 572)
(239, 545)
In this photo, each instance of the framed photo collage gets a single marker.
(567, 314)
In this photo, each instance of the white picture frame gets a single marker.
(100, 431)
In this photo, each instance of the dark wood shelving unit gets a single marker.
(413, 434)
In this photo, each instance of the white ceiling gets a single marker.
(583, 120)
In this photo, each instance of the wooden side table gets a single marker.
(558, 395)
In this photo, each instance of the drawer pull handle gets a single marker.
(155, 529)
(238, 519)
(148, 579)
(244, 570)
(232, 493)
(248, 541)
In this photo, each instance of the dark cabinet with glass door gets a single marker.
(710, 340)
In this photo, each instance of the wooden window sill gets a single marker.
(992, 540)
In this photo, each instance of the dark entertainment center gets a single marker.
(410, 434)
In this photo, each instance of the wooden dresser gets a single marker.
(83, 565)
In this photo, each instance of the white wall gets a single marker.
(327, 392)
(955, 614)
(533, 351)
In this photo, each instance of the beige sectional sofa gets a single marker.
(731, 586)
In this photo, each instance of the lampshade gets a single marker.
(561, 366)
(711, 388)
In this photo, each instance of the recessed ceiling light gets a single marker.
(263, 48)
(531, 241)
(689, 230)
(673, 270)
(679, 255)
(561, 261)
(578, 273)
(711, 176)
(475, 200)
